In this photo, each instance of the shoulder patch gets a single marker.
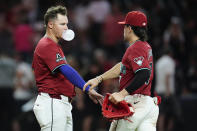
(139, 60)
(59, 57)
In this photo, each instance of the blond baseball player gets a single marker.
(55, 79)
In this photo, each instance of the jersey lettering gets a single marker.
(123, 69)
(150, 65)
(150, 54)
(59, 57)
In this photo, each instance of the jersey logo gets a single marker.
(59, 57)
(136, 102)
(139, 60)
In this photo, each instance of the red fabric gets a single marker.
(48, 56)
(112, 32)
(135, 18)
(112, 111)
(136, 57)
(158, 100)
(23, 35)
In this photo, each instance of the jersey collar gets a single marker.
(130, 44)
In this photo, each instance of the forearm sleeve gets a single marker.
(139, 79)
(72, 75)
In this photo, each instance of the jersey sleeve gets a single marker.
(138, 59)
(53, 57)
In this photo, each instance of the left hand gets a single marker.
(118, 96)
(95, 97)
(93, 83)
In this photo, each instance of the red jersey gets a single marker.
(48, 56)
(137, 57)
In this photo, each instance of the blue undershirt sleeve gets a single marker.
(74, 77)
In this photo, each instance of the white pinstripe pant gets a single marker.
(144, 118)
(53, 114)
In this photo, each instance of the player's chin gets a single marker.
(61, 41)
(125, 39)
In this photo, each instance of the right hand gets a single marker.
(95, 97)
(93, 83)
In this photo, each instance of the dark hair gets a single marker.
(141, 32)
(52, 13)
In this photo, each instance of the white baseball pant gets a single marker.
(53, 114)
(144, 118)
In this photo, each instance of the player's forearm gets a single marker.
(72, 75)
(114, 72)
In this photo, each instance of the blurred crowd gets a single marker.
(98, 45)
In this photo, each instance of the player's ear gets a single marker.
(50, 24)
(130, 29)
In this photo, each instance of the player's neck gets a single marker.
(51, 36)
(133, 39)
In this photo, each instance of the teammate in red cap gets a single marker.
(55, 79)
(136, 74)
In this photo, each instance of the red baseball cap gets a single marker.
(135, 18)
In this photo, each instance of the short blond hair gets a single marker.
(52, 13)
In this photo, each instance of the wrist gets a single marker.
(124, 93)
(87, 89)
(99, 79)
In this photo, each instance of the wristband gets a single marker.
(87, 89)
(99, 80)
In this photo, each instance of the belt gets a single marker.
(56, 96)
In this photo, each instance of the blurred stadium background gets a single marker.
(98, 45)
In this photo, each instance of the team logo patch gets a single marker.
(139, 60)
(59, 57)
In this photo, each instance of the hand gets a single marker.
(96, 97)
(93, 83)
(118, 96)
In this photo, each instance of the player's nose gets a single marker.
(65, 27)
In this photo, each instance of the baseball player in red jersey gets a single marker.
(136, 75)
(55, 79)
